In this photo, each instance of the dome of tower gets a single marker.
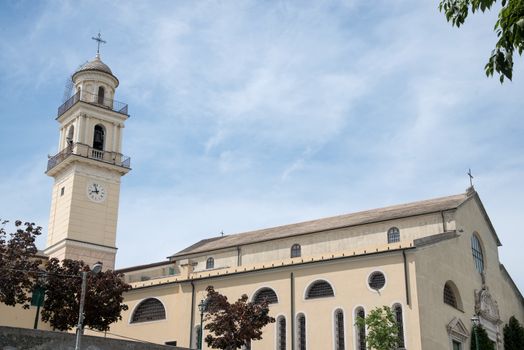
(95, 64)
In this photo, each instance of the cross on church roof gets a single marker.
(99, 40)
(470, 177)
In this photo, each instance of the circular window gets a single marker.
(377, 280)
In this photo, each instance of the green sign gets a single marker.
(38, 296)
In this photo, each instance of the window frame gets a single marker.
(393, 235)
(477, 252)
(374, 272)
(358, 330)
(137, 306)
(312, 284)
(296, 251)
(456, 294)
(298, 331)
(336, 329)
(259, 290)
(401, 326)
(279, 333)
(210, 263)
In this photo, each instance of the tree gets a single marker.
(18, 263)
(103, 300)
(21, 271)
(509, 28)
(382, 328)
(234, 325)
(485, 343)
(513, 335)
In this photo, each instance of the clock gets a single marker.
(96, 192)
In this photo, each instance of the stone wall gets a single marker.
(29, 339)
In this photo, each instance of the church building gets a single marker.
(434, 262)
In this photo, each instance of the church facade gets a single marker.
(434, 262)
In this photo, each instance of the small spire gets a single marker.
(470, 178)
(99, 41)
(471, 189)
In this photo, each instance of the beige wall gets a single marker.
(348, 278)
(452, 260)
(328, 242)
(18, 317)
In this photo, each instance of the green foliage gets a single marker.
(234, 325)
(483, 339)
(18, 263)
(21, 271)
(382, 329)
(103, 300)
(513, 335)
(509, 28)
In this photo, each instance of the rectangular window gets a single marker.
(62, 190)
(457, 345)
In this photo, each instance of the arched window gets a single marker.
(393, 235)
(296, 250)
(319, 289)
(451, 295)
(99, 137)
(101, 93)
(360, 336)
(281, 333)
(397, 310)
(340, 343)
(476, 250)
(210, 263)
(265, 294)
(301, 332)
(150, 309)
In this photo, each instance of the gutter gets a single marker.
(406, 281)
(192, 314)
(292, 281)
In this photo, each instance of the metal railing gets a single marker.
(82, 150)
(84, 96)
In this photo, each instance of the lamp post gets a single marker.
(202, 307)
(97, 267)
(476, 321)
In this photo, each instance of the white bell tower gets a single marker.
(87, 169)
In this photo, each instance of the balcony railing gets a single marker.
(93, 99)
(86, 151)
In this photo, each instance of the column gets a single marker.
(114, 140)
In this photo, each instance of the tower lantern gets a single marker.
(87, 169)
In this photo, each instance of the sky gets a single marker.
(253, 114)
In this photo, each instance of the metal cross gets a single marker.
(470, 178)
(99, 40)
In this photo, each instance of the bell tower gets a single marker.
(87, 169)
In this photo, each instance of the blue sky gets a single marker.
(251, 114)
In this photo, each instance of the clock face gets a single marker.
(96, 192)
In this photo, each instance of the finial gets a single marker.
(470, 178)
(222, 233)
(470, 190)
(99, 40)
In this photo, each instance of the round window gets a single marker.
(377, 280)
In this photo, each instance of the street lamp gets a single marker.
(202, 307)
(476, 321)
(97, 267)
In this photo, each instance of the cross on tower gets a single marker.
(470, 177)
(99, 40)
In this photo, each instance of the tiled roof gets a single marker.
(330, 223)
(95, 64)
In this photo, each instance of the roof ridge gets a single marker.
(337, 221)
